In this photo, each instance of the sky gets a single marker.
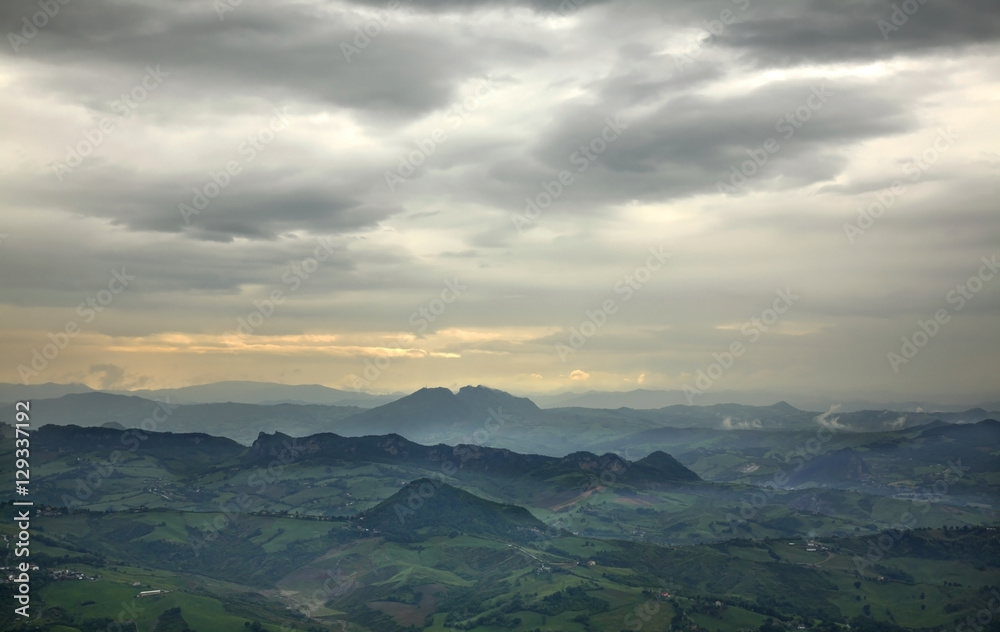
(537, 196)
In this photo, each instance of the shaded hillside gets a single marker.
(432, 414)
(833, 469)
(975, 444)
(659, 467)
(185, 454)
(425, 508)
(579, 469)
(985, 432)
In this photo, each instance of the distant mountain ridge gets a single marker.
(240, 422)
(264, 393)
(252, 392)
(237, 392)
(480, 415)
(649, 399)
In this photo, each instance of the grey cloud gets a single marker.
(291, 53)
(690, 143)
(824, 32)
(562, 7)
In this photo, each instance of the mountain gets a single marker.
(482, 398)
(648, 399)
(188, 454)
(92, 408)
(327, 476)
(495, 467)
(438, 414)
(427, 507)
(983, 433)
(263, 393)
(10, 393)
(645, 399)
(428, 410)
(240, 422)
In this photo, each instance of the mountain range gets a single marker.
(248, 392)
(766, 525)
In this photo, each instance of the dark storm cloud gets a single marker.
(561, 7)
(291, 53)
(258, 206)
(692, 105)
(818, 31)
(691, 143)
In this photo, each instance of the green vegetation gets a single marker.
(382, 534)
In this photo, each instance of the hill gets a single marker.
(427, 507)
(491, 466)
(660, 467)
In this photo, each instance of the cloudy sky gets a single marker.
(530, 195)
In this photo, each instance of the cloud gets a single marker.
(830, 421)
(559, 78)
(869, 30)
(579, 375)
(112, 376)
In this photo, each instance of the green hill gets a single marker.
(425, 507)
